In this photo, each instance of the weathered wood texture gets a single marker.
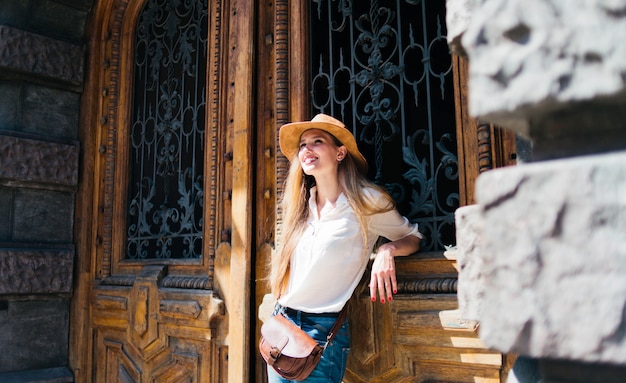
(163, 320)
(419, 336)
(240, 108)
(147, 333)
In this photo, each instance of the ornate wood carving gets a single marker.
(109, 121)
(281, 76)
(31, 160)
(30, 53)
(427, 286)
(185, 282)
(157, 320)
(146, 332)
(485, 160)
(34, 271)
(115, 105)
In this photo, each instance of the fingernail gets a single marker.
(395, 291)
(390, 299)
(373, 299)
(382, 300)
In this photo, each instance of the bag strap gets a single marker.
(333, 330)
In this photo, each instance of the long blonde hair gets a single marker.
(295, 211)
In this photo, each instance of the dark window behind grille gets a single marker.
(384, 68)
(165, 197)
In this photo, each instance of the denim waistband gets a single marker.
(293, 313)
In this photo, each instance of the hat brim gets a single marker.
(289, 139)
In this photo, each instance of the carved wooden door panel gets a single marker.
(385, 69)
(159, 196)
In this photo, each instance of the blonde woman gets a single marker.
(332, 217)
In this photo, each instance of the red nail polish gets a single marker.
(382, 300)
(395, 291)
(390, 299)
(373, 299)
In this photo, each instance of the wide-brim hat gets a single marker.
(289, 137)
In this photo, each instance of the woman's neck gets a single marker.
(327, 193)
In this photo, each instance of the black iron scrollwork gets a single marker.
(167, 131)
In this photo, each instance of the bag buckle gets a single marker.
(277, 351)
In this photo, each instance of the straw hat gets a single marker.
(289, 137)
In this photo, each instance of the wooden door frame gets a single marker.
(240, 110)
(234, 107)
(481, 146)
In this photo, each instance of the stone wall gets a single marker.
(42, 55)
(543, 254)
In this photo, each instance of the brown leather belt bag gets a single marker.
(291, 352)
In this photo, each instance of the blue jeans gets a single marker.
(333, 363)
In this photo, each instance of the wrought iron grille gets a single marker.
(165, 196)
(384, 68)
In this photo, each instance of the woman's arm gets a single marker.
(383, 277)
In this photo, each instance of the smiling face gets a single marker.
(319, 154)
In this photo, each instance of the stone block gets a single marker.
(14, 13)
(36, 271)
(43, 216)
(45, 375)
(33, 334)
(471, 289)
(9, 103)
(6, 208)
(50, 112)
(34, 161)
(59, 20)
(38, 55)
(553, 241)
(531, 57)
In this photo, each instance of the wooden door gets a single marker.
(384, 68)
(164, 211)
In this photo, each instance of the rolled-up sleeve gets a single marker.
(393, 226)
(390, 224)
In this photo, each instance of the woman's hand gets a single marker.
(383, 277)
(383, 280)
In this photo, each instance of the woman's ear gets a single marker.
(341, 154)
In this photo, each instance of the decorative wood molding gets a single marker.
(485, 158)
(119, 280)
(281, 76)
(112, 102)
(427, 286)
(213, 113)
(170, 281)
(36, 161)
(180, 282)
(115, 101)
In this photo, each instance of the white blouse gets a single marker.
(329, 259)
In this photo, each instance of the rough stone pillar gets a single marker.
(552, 233)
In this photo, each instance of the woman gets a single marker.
(332, 217)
